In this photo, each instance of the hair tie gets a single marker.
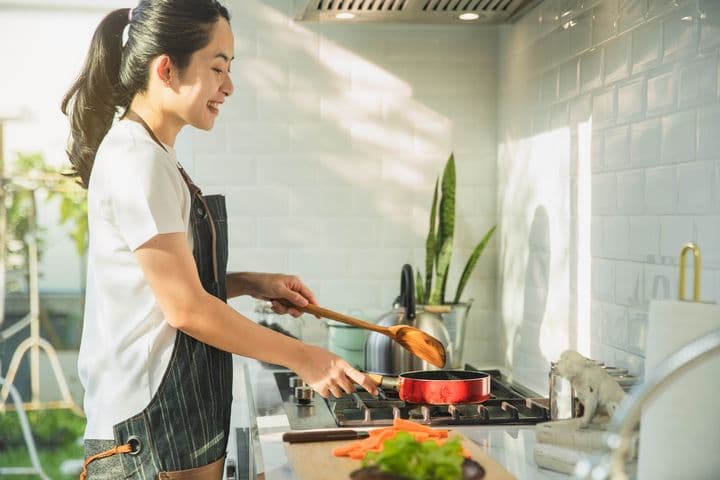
(126, 29)
(125, 34)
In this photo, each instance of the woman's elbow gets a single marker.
(184, 313)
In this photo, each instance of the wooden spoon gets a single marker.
(410, 338)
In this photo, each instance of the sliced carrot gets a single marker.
(376, 441)
(357, 454)
(411, 426)
(344, 450)
(420, 436)
(382, 438)
(380, 431)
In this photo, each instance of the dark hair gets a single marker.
(114, 73)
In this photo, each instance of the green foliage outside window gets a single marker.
(28, 172)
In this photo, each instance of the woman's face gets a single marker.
(206, 82)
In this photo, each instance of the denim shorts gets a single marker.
(108, 468)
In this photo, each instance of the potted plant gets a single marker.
(431, 292)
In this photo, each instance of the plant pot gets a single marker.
(454, 317)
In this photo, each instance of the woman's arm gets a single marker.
(170, 270)
(270, 286)
(238, 284)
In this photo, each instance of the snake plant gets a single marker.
(439, 244)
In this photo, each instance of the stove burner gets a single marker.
(356, 412)
(509, 404)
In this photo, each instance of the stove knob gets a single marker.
(304, 395)
(297, 382)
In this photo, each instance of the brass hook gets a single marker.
(696, 270)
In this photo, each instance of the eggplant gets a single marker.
(471, 469)
(374, 473)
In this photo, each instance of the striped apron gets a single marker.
(183, 431)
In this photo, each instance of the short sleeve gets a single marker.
(146, 197)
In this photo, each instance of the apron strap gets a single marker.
(127, 448)
(197, 193)
(134, 116)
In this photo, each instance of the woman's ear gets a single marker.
(165, 70)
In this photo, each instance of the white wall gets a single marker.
(327, 151)
(612, 107)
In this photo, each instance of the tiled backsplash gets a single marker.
(614, 103)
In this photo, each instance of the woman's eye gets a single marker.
(218, 70)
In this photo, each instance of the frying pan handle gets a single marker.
(391, 383)
(407, 292)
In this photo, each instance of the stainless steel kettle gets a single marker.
(386, 357)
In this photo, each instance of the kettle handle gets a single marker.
(407, 292)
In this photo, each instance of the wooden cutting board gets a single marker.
(314, 461)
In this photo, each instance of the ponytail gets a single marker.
(92, 100)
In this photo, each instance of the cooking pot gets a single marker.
(348, 342)
(439, 387)
(384, 356)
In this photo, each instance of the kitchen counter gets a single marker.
(258, 411)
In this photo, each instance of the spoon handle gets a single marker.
(332, 315)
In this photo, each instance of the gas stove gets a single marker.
(509, 404)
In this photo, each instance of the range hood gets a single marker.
(414, 11)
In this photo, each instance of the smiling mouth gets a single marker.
(214, 107)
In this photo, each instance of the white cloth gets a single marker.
(136, 192)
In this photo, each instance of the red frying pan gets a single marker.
(438, 387)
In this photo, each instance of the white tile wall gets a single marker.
(660, 92)
(644, 145)
(708, 142)
(329, 149)
(648, 165)
(677, 143)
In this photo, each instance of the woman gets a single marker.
(154, 356)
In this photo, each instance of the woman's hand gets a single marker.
(282, 290)
(329, 374)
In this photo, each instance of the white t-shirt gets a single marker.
(136, 192)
